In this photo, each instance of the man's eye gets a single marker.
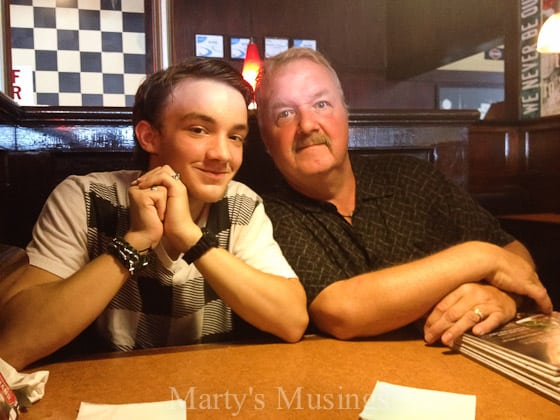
(322, 104)
(285, 116)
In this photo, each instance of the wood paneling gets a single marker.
(49, 144)
(514, 168)
(335, 25)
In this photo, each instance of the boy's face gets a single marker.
(203, 128)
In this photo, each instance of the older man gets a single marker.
(379, 243)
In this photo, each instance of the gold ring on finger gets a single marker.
(479, 314)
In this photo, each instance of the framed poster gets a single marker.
(238, 47)
(273, 46)
(209, 45)
(306, 43)
(117, 59)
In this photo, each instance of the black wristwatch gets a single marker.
(208, 240)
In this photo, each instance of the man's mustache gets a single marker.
(313, 139)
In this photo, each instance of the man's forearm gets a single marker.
(383, 300)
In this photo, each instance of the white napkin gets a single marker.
(396, 402)
(31, 385)
(162, 410)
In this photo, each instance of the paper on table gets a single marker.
(161, 410)
(32, 385)
(396, 402)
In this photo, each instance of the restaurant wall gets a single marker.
(351, 34)
(69, 53)
(72, 54)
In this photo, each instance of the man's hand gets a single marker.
(504, 269)
(515, 274)
(472, 306)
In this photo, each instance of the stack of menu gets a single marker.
(526, 350)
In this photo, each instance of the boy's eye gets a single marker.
(197, 130)
(238, 138)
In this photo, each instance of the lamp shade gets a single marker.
(252, 64)
(549, 36)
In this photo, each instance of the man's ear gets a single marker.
(148, 136)
(260, 125)
(266, 149)
(265, 144)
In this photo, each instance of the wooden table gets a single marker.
(317, 378)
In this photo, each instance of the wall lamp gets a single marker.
(251, 67)
(549, 36)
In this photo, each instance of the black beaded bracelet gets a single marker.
(129, 256)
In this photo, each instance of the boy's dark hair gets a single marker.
(152, 95)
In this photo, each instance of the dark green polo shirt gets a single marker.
(405, 210)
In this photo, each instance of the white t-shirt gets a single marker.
(168, 302)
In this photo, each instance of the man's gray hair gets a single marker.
(274, 63)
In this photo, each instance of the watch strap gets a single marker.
(207, 240)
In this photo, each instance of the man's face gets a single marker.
(303, 120)
(203, 127)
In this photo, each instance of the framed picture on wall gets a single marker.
(117, 62)
(238, 47)
(273, 46)
(306, 43)
(209, 45)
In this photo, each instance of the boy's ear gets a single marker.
(148, 136)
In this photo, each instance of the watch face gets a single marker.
(210, 237)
